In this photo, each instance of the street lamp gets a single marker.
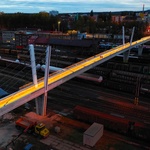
(59, 25)
(137, 90)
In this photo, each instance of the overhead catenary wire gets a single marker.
(10, 80)
(15, 83)
(4, 69)
(8, 66)
(11, 86)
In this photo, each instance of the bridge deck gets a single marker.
(55, 79)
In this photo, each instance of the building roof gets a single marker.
(74, 43)
(42, 41)
(24, 32)
(32, 39)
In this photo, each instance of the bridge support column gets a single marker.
(41, 103)
(140, 50)
(33, 64)
(126, 56)
(34, 74)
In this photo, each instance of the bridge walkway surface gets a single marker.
(55, 79)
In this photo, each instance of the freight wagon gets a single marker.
(113, 123)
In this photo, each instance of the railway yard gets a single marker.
(80, 102)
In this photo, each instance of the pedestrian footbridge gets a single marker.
(55, 79)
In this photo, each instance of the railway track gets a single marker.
(77, 92)
(64, 98)
(71, 99)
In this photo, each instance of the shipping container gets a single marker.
(93, 134)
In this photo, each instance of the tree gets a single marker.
(91, 13)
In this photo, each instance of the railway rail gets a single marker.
(106, 102)
(87, 94)
(89, 99)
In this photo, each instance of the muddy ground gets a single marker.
(68, 129)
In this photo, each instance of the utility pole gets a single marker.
(59, 26)
(123, 35)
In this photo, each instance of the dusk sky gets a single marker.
(72, 6)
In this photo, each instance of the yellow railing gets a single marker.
(56, 76)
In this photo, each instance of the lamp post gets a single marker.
(137, 90)
(59, 25)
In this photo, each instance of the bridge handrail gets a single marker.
(105, 53)
(68, 71)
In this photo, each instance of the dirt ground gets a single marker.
(7, 129)
(9, 134)
(68, 129)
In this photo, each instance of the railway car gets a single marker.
(4, 51)
(19, 47)
(112, 122)
(142, 131)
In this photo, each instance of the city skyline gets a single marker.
(72, 6)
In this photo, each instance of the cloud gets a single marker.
(34, 6)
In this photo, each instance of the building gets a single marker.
(117, 19)
(8, 37)
(21, 39)
(74, 47)
(147, 32)
(54, 13)
(32, 39)
(148, 18)
(0, 36)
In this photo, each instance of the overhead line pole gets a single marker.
(123, 37)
